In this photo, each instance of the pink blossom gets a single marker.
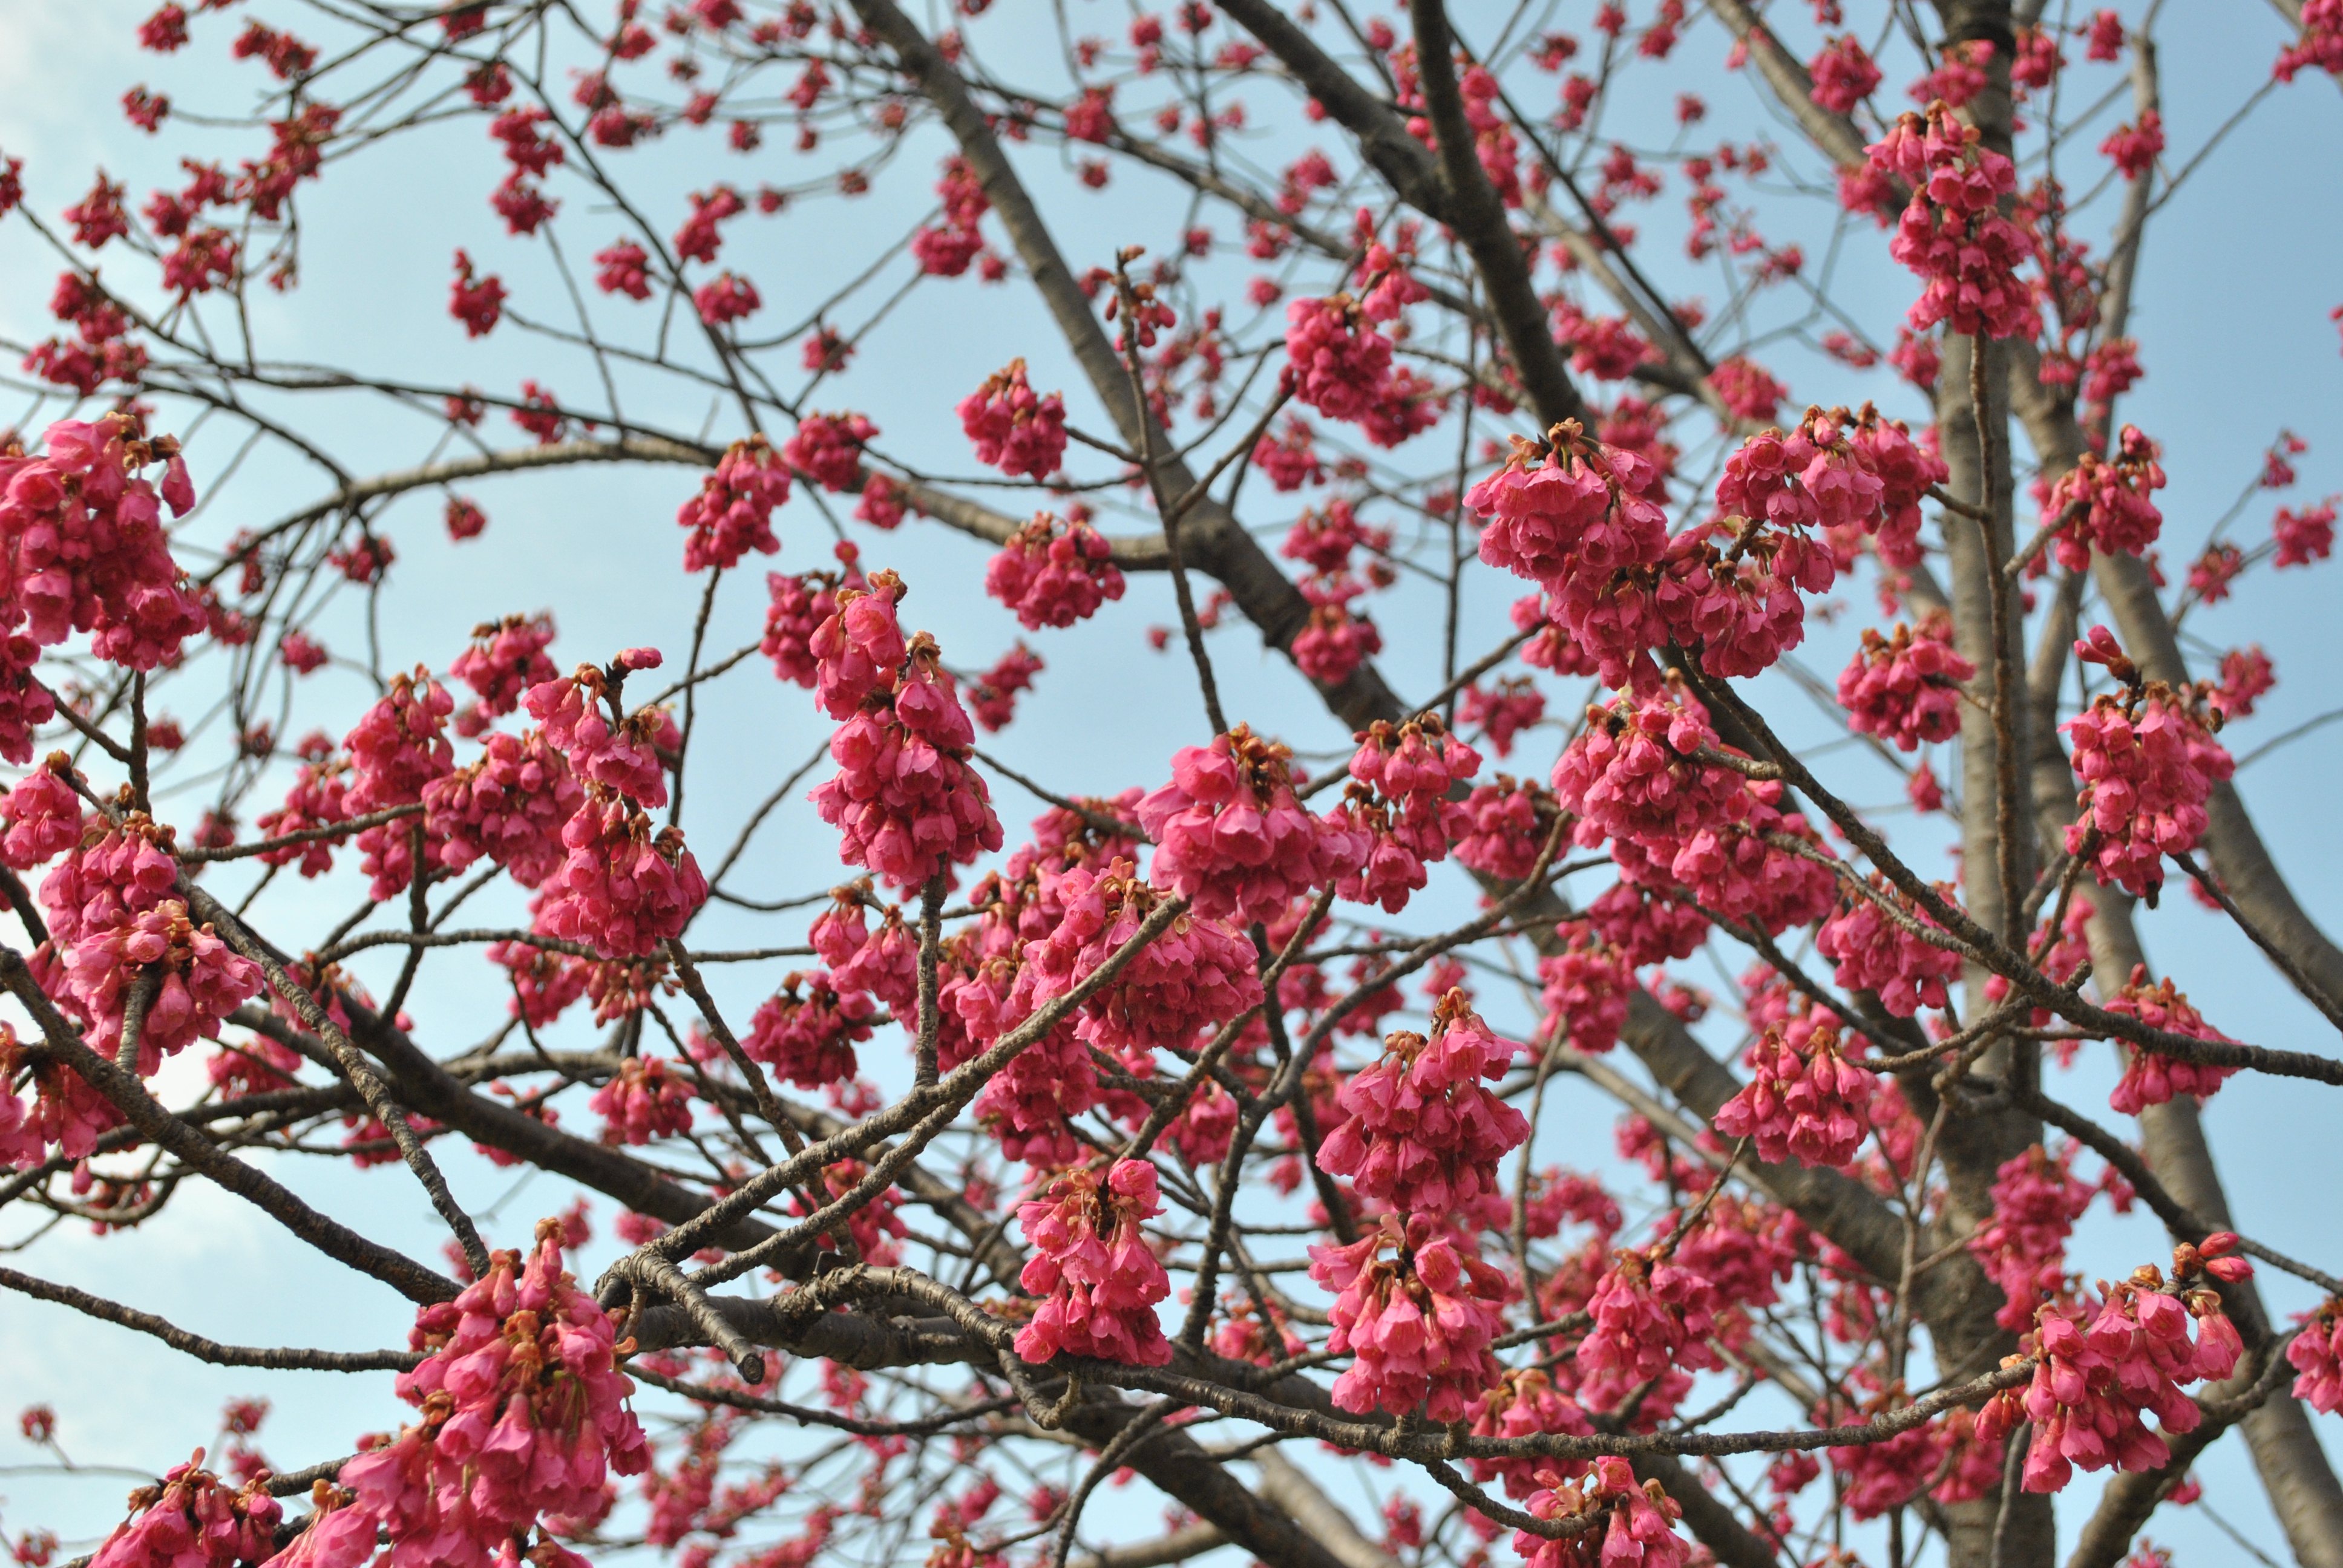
(43, 816)
(623, 888)
(1013, 430)
(2306, 535)
(1423, 1133)
(733, 512)
(194, 1518)
(992, 696)
(859, 648)
(510, 806)
(2022, 1243)
(905, 800)
(1906, 689)
(884, 963)
(1092, 1264)
(1583, 501)
(2317, 1354)
(1842, 74)
(1324, 539)
(399, 747)
(2135, 148)
(2103, 505)
(1746, 390)
(505, 659)
(828, 448)
(620, 755)
(1951, 233)
(796, 609)
(1525, 1404)
(522, 1412)
(2150, 1078)
(623, 268)
(85, 539)
(725, 298)
(1503, 826)
(1233, 839)
(808, 1035)
(1585, 989)
(1194, 976)
(2149, 763)
(1054, 574)
(647, 1098)
(1874, 953)
(1635, 773)
(318, 799)
(1418, 1324)
(479, 304)
(198, 981)
(1805, 1101)
(1336, 640)
(1651, 1316)
(1639, 1531)
(1338, 361)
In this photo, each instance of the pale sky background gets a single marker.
(2231, 315)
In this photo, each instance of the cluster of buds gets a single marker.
(1805, 1101)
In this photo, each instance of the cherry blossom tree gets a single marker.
(945, 1132)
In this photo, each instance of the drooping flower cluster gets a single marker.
(2148, 762)
(2317, 1355)
(733, 512)
(617, 754)
(2149, 1076)
(1398, 804)
(1638, 1529)
(193, 1519)
(1053, 573)
(885, 962)
(1336, 639)
(2093, 1385)
(809, 1037)
(1424, 1133)
(623, 888)
(1876, 953)
(1013, 429)
(645, 1099)
(797, 608)
(1906, 689)
(1194, 976)
(828, 448)
(1651, 1316)
(2022, 1245)
(510, 806)
(906, 801)
(1340, 365)
(82, 549)
(1635, 773)
(523, 1415)
(1805, 1101)
(1585, 989)
(2105, 506)
(192, 979)
(1418, 1323)
(1842, 74)
(504, 659)
(1232, 839)
(1951, 233)
(1092, 1264)
(1525, 1404)
(1505, 823)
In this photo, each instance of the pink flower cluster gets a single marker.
(579, 719)
(796, 609)
(42, 815)
(1585, 989)
(2093, 1385)
(1193, 977)
(523, 1415)
(197, 983)
(809, 1039)
(1906, 689)
(1424, 1132)
(82, 549)
(1951, 233)
(1842, 74)
(2099, 504)
(644, 1098)
(505, 659)
(1525, 1404)
(1567, 505)
(1053, 573)
(1874, 953)
(1337, 638)
(1418, 1323)
(2306, 535)
(2022, 1245)
(1807, 1101)
(1504, 825)
(828, 448)
(2317, 1355)
(193, 1519)
(623, 888)
(1232, 837)
(1092, 1264)
(1638, 1530)
(510, 806)
(1398, 802)
(1013, 429)
(2150, 1078)
(1635, 773)
(1503, 711)
(2149, 763)
(1651, 1316)
(905, 800)
(733, 512)
(885, 963)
